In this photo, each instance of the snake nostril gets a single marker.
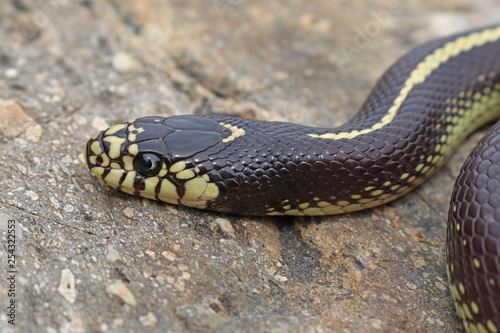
(98, 160)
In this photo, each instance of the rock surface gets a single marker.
(92, 260)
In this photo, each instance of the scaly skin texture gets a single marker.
(473, 248)
(415, 116)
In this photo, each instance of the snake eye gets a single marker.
(148, 164)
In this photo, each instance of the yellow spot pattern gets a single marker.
(95, 147)
(133, 149)
(133, 131)
(177, 167)
(185, 174)
(114, 129)
(235, 132)
(168, 192)
(150, 186)
(128, 163)
(115, 145)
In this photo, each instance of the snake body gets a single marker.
(413, 119)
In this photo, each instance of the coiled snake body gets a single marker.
(419, 111)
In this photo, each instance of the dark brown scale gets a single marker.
(277, 167)
(474, 232)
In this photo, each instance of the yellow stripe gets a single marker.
(425, 68)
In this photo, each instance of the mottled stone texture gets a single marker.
(91, 259)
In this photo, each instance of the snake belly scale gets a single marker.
(413, 119)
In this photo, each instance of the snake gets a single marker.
(419, 111)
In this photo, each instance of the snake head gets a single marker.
(155, 157)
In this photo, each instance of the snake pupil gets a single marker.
(148, 164)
